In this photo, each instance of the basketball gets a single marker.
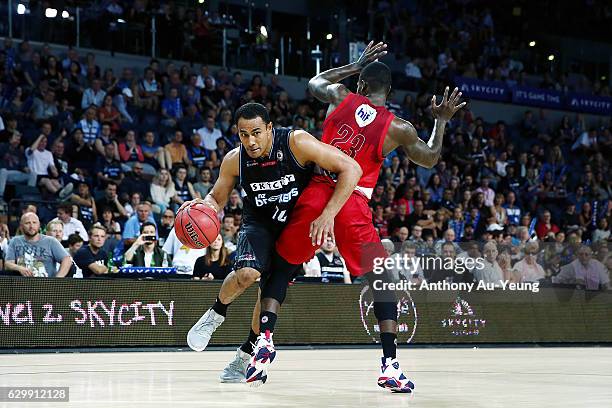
(197, 226)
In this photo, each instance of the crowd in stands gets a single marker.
(107, 157)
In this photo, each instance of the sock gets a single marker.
(220, 308)
(247, 346)
(389, 344)
(267, 321)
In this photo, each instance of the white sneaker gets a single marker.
(66, 191)
(201, 332)
(235, 371)
(263, 355)
(392, 378)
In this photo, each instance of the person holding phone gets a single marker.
(145, 251)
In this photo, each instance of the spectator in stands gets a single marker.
(200, 156)
(210, 134)
(163, 192)
(154, 155)
(602, 233)
(131, 229)
(528, 269)
(150, 91)
(111, 200)
(177, 150)
(40, 162)
(86, 203)
(5, 237)
(585, 272)
(13, 166)
(215, 264)
(71, 224)
(93, 96)
(45, 108)
(89, 125)
(75, 242)
(203, 186)
(92, 258)
(113, 228)
(166, 225)
(328, 264)
(491, 272)
(130, 151)
(109, 115)
(545, 226)
(171, 109)
(145, 251)
(108, 167)
(184, 188)
(55, 229)
(33, 254)
(135, 182)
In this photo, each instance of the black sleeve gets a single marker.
(200, 269)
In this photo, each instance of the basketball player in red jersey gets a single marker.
(360, 126)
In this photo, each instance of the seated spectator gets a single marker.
(92, 258)
(149, 91)
(113, 228)
(215, 264)
(491, 273)
(163, 192)
(602, 233)
(184, 188)
(177, 150)
(505, 263)
(45, 108)
(94, 95)
(200, 156)
(328, 264)
(135, 182)
(108, 167)
(86, 203)
(234, 205)
(71, 224)
(80, 154)
(545, 226)
(183, 258)
(210, 134)
(111, 200)
(145, 251)
(166, 225)
(171, 109)
(203, 186)
(130, 151)
(5, 237)
(528, 269)
(109, 115)
(132, 204)
(192, 120)
(55, 229)
(89, 126)
(41, 163)
(33, 254)
(75, 242)
(155, 155)
(407, 257)
(584, 272)
(131, 229)
(13, 165)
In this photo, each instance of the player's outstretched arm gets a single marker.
(307, 149)
(402, 133)
(324, 86)
(219, 193)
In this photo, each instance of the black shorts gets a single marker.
(255, 247)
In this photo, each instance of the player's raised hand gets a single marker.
(321, 228)
(371, 53)
(449, 105)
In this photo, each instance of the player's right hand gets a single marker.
(321, 228)
(371, 53)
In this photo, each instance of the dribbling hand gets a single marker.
(449, 105)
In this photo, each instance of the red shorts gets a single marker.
(356, 238)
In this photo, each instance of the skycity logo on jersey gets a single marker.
(273, 185)
(407, 317)
(463, 321)
(364, 115)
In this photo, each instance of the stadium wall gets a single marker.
(60, 313)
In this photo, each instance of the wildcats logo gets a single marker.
(364, 115)
(193, 235)
(273, 185)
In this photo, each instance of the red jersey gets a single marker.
(358, 128)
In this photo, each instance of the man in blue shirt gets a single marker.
(131, 230)
(172, 110)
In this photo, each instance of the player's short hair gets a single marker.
(252, 110)
(377, 75)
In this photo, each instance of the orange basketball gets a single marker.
(197, 226)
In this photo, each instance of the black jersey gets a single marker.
(272, 183)
(331, 271)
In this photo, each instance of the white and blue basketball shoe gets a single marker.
(263, 355)
(392, 378)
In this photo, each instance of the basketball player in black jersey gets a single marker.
(273, 166)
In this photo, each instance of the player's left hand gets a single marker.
(449, 105)
(321, 228)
